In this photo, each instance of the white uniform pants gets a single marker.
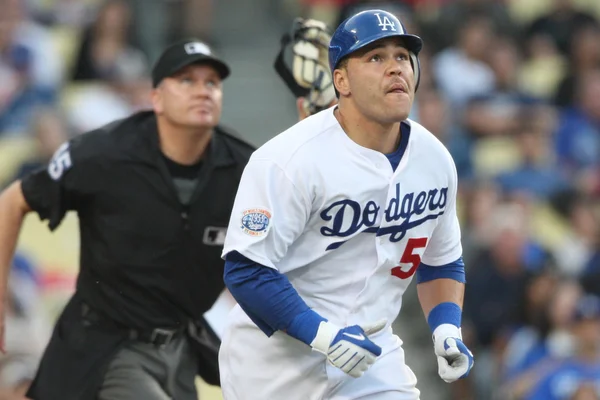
(254, 367)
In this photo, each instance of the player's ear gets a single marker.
(340, 80)
(157, 103)
(300, 106)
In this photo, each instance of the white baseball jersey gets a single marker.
(348, 232)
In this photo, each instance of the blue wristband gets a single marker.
(444, 313)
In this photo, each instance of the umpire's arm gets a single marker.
(13, 209)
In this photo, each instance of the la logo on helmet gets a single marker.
(385, 22)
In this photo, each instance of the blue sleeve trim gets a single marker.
(269, 299)
(455, 271)
(444, 313)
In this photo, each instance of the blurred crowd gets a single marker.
(511, 87)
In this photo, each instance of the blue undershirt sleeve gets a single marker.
(269, 299)
(455, 270)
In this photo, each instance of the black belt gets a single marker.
(157, 336)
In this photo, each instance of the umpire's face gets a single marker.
(190, 98)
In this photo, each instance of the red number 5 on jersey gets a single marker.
(410, 257)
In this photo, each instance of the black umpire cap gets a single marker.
(183, 53)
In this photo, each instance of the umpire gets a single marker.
(153, 193)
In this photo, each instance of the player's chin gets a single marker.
(396, 114)
(203, 121)
(400, 104)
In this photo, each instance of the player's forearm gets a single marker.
(437, 291)
(269, 299)
(441, 301)
(13, 208)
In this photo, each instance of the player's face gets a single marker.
(380, 81)
(193, 97)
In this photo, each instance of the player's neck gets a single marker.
(370, 134)
(183, 145)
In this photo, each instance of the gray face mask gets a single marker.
(303, 64)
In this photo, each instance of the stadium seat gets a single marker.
(492, 156)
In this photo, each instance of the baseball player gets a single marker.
(332, 220)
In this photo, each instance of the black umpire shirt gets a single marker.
(151, 230)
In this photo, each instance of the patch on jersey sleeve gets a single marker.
(255, 221)
(60, 162)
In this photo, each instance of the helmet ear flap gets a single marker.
(416, 65)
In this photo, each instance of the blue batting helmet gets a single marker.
(367, 27)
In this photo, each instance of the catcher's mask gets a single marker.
(307, 74)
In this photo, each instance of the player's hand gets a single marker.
(349, 349)
(455, 360)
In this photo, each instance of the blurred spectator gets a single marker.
(586, 392)
(591, 275)
(481, 199)
(537, 174)
(579, 244)
(578, 135)
(560, 23)
(433, 112)
(496, 110)
(50, 131)
(460, 70)
(27, 331)
(538, 347)
(496, 280)
(46, 67)
(116, 74)
(528, 343)
(561, 309)
(498, 272)
(95, 105)
(19, 93)
(584, 56)
(105, 50)
(70, 13)
(543, 67)
(442, 31)
(583, 368)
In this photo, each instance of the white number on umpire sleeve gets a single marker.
(61, 162)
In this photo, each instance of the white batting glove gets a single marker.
(349, 349)
(455, 360)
